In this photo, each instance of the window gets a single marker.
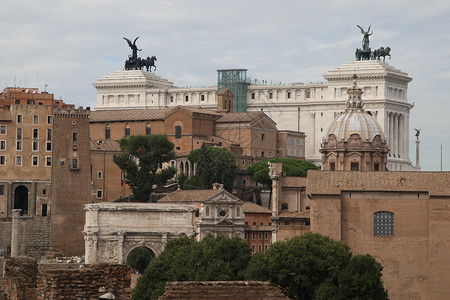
(148, 129)
(260, 236)
(354, 166)
(263, 136)
(49, 119)
(253, 248)
(35, 119)
(74, 136)
(202, 97)
(260, 248)
(289, 95)
(35, 146)
(19, 133)
(187, 98)
(19, 145)
(171, 98)
(307, 93)
(332, 166)
(48, 146)
(2, 145)
(253, 236)
(284, 206)
(127, 130)
(99, 194)
(99, 175)
(44, 210)
(19, 119)
(253, 95)
(2, 160)
(31, 102)
(18, 160)
(262, 153)
(178, 132)
(48, 161)
(266, 236)
(2, 190)
(3, 129)
(266, 247)
(107, 132)
(34, 160)
(35, 133)
(74, 163)
(383, 223)
(270, 95)
(376, 167)
(207, 211)
(44, 192)
(49, 134)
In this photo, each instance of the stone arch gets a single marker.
(21, 199)
(139, 257)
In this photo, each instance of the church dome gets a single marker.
(355, 120)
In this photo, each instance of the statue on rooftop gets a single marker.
(136, 63)
(133, 47)
(365, 41)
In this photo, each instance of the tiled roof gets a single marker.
(241, 117)
(107, 145)
(128, 115)
(294, 181)
(191, 110)
(333, 182)
(188, 196)
(250, 207)
(294, 214)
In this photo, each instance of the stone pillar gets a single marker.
(90, 247)
(391, 134)
(275, 170)
(313, 133)
(417, 154)
(15, 232)
(395, 140)
(121, 235)
(401, 128)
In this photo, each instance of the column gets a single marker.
(121, 235)
(395, 141)
(15, 232)
(391, 134)
(401, 133)
(313, 134)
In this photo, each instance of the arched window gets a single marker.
(127, 130)
(107, 131)
(187, 169)
(148, 129)
(383, 223)
(181, 167)
(178, 132)
(21, 199)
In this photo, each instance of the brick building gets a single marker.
(258, 226)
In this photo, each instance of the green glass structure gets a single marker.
(236, 81)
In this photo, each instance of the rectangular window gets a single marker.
(187, 98)
(99, 175)
(383, 223)
(35, 160)
(99, 194)
(31, 102)
(259, 248)
(48, 146)
(266, 247)
(19, 133)
(49, 134)
(253, 236)
(127, 131)
(2, 160)
(289, 95)
(74, 163)
(253, 96)
(148, 130)
(263, 136)
(35, 133)
(270, 95)
(262, 154)
(2, 190)
(19, 119)
(19, 145)
(354, 166)
(332, 166)
(178, 132)
(3, 145)
(202, 97)
(253, 248)
(260, 235)
(266, 236)
(376, 167)
(48, 161)
(2, 129)
(307, 93)
(35, 146)
(74, 136)
(18, 160)
(49, 120)
(35, 119)
(44, 210)
(171, 98)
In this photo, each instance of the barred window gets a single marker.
(383, 223)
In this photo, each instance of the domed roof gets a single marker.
(355, 120)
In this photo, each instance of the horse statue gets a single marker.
(382, 52)
(363, 55)
(148, 63)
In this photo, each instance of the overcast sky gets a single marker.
(68, 45)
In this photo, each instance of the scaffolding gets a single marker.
(236, 81)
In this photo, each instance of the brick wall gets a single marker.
(19, 281)
(254, 290)
(89, 282)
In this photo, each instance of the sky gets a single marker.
(63, 46)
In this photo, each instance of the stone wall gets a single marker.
(88, 282)
(221, 290)
(34, 235)
(19, 278)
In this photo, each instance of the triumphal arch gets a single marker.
(113, 230)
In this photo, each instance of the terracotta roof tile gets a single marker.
(294, 214)
(250, 207)
(333, 182)
(292, 181)
(127, 115)
(241, 117)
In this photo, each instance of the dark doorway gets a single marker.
(139, 258)
(21, 199)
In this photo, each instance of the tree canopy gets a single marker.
(141, 159)
(184, 259)
(291, 167)
(312, 266)
(213, 165)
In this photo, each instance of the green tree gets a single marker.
(291, 167)
(184, 259)
(213, 165)
(312, 266)
(139, 258)
(141, 159)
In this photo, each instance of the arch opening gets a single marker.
(139, 258)
(21, 199)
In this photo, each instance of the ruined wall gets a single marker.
(89, 282)
(34, 235)
(19, 278)
(212, 290)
